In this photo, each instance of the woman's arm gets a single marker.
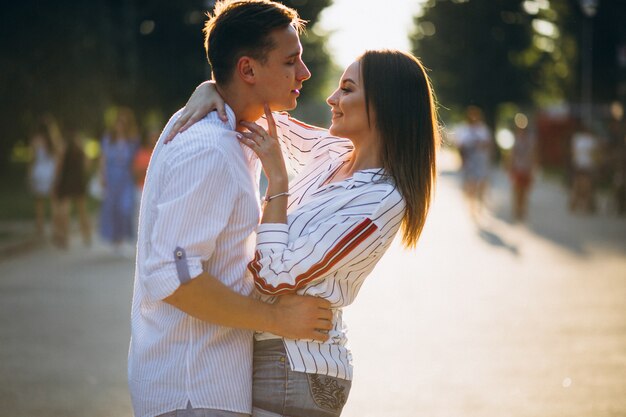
(282, 266)
(204, 100)
(348, 234)
(299, 140)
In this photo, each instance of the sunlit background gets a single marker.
(492, 314)
(356, 26)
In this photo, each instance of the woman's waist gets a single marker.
(337, 335)
(312, 357)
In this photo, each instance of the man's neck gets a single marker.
(242, 103)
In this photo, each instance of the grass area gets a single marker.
(5, 235)
(16, 201)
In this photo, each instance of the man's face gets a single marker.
(280, 78)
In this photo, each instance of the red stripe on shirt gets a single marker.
(353, 239)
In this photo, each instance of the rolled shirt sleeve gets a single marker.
(191, 212)
(282, 267)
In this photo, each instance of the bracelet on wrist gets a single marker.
(269, 198)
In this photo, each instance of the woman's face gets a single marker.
(347, 105)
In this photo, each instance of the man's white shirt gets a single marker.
(201, 194)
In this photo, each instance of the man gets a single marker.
(198, 211)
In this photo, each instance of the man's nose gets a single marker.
(304, 73)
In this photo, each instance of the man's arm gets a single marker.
(193, 207)
(292, 316)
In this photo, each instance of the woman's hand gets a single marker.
(266, 146)
(204, 100)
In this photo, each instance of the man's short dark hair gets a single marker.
(242, 28)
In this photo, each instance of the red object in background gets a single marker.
(554, 133)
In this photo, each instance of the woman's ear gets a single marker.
(245, 69)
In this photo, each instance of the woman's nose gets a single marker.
(332, 99)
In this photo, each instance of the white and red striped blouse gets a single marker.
(336, 233)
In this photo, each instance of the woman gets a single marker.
(118, 152)
(521, 171)
(41, 174)
(474, 141)
(356, 184)
(70, 186)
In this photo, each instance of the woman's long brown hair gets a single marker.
(400, 100)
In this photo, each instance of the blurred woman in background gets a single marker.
(45, 145)
(119, 147)
(70, 187)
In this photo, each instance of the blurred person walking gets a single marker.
(521, 167)
(70, 187)
(616, 158)
(44, 145)
(474, 141)
(116, 173)
(141, 162)
(583, 149)
(142, 158)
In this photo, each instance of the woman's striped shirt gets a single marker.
(336, 233)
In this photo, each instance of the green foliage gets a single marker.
(77, 59)
(16, 200)
(486, 53)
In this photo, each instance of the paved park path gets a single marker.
(487, 318)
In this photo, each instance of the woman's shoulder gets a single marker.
(377, 189)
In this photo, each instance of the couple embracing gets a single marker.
(233, 316)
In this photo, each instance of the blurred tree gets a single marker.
(76, 59)
(608, 48)
(486, 54)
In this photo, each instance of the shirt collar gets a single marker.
(365, 176)
(230, 114)
(358, 178)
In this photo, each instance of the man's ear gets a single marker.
(245, 69)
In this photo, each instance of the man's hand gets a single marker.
(300, 317)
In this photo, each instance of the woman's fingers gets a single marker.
(271, 124)
(186, 120)
(248, 142)
(256, 138)
(182, 120)
(251, 140)
(221, 111)
(255, 128)
(192, 119)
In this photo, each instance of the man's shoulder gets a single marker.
(207, 135)
(210, 128)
